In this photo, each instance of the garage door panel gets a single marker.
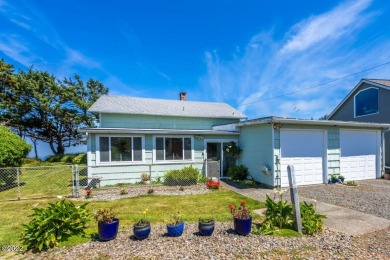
(358, 154)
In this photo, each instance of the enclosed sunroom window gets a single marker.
(120, 149)
(366, 102)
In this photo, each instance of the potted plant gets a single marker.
(175, 225)
(341, 178)
(242, 218)
(334, 178)
(141, 228)
(206, 226)
(386, 175)
(145, 177)
(107, 224)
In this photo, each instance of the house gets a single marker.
(138, 135)
(368, 101)
(316, 149)
(167, 134)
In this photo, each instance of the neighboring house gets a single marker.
(168, 134)
(138, 135)
(369, 101)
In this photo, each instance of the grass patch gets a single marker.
(41, 182)
(287, 233)
(210, 205)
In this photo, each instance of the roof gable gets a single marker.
(163, 107)
(380, 83)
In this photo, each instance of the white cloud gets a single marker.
(327, 26)
(17, 50)
(257, 78)
(31, 19)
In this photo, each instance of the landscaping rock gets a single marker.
(225, 244)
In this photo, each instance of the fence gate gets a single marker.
(213, 169)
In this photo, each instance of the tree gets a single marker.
(13, 149)
(324, 117)
(41, 107)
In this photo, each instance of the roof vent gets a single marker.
(183, 96)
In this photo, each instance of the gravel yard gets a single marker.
(370, 196)
(133, 191)
(224, 244)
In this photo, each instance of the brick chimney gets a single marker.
(183, 96)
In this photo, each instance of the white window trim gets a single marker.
(98, 162)
(155, 161)
(354, 103)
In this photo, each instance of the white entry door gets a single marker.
(304, 149)
(359, 154)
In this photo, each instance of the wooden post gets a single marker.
(294, 199)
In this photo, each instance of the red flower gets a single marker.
(231, 207)
(212, 184)
(243, 203)
(89, 191)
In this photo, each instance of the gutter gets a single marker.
(272, 120)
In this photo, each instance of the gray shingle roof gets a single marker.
(149, 106)
(384, 82)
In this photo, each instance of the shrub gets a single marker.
(238, 173)
(12, 152)
(279, 214)
(184, 177)
(12, 148)
(54, 224)
(80, 159)
(312, 222)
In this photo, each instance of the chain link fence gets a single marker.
(36, 182)
(67, 180)
(143, 174)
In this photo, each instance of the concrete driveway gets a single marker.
(351, 210)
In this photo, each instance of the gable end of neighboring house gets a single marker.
(369, 101)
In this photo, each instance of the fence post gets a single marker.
(150, 175)
(294, 198)
(73, 183)
(18, 180)
(77, 181)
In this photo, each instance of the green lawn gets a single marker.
(41, 182)
(213, 204)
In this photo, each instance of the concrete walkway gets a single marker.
(348, 221)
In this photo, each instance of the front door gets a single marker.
(215, 152)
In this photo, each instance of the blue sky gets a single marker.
(237, 52)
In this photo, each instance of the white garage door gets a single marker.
(359, 151)
(304, 149)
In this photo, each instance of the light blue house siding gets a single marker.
(261, 147)
(161, 122)
(115, 172)
(256, 142)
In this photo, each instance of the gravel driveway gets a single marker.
(370, 196)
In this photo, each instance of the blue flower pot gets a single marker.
(175, 231)
(141, 231)
(242, 226)
(206, 229)
(108, 231)
(334, 180)
(341, 179)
